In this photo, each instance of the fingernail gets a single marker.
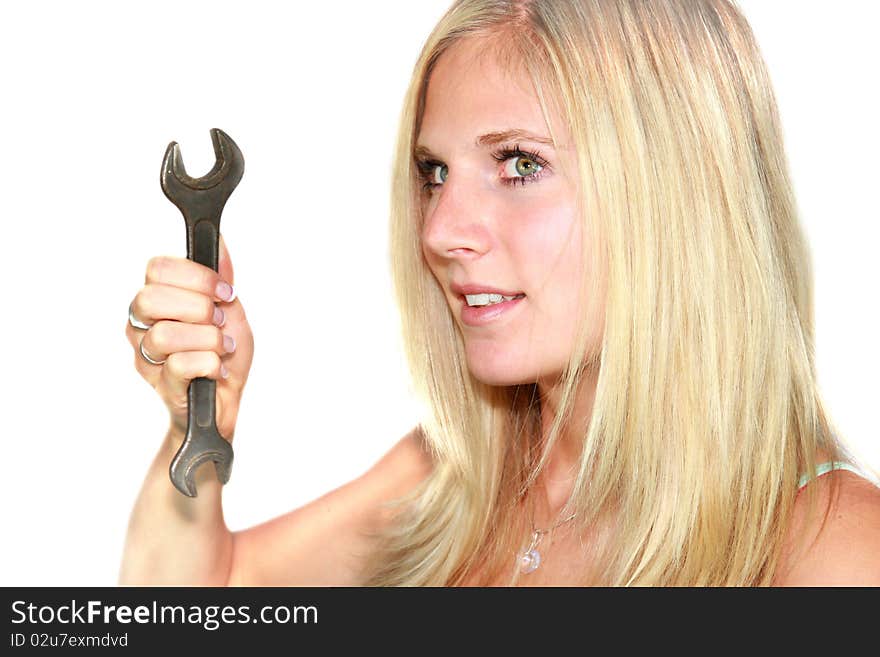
(228, 343)
(223, 371)
(219, 317)
(224, 291)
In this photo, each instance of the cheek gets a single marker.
(552, 246)
(548, 243)
(433, 263)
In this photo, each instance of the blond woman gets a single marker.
(606, 301)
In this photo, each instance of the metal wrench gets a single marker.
(201, 201)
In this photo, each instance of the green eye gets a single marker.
(526, 167)
(520, 167)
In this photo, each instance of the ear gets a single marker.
(224, 264)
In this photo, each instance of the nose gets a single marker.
(457, 221)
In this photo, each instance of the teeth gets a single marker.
(487, 299)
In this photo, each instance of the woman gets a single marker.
(607, 309)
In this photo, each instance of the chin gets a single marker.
(498, 374)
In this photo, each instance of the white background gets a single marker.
(92, 92)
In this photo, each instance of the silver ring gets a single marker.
(134, 321)
(147, 358)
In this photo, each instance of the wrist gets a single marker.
(174, 438)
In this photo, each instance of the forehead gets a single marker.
(470, 93)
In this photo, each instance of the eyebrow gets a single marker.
(490, 139)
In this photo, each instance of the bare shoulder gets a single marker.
(326, 542)
(405, 464)
(841, 548)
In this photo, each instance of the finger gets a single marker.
(188, 275)
(149, 372)
(173, 337)
(134, 337)
(184, 366)
(224, 264)
(233, 309)
(156, 302)
(150, 353)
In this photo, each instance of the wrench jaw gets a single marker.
(171, 183)
(187, 461)
(229, 162)
(211, 190)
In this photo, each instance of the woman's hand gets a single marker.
(199, 329)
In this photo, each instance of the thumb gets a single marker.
(224, 264)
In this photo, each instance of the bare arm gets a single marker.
(173, 539)
(325, 542)
(176, 540)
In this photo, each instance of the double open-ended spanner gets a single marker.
(201, 201)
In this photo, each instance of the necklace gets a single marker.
(529, 559)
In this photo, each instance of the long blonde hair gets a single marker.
(706, 406)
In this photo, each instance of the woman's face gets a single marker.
(500, 214)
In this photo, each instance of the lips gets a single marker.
(479, 288)
(477, 316)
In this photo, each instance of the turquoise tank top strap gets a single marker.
(825, 468)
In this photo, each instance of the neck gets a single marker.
(557, 479)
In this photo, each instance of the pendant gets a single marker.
(530, 558)
(529, 562)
